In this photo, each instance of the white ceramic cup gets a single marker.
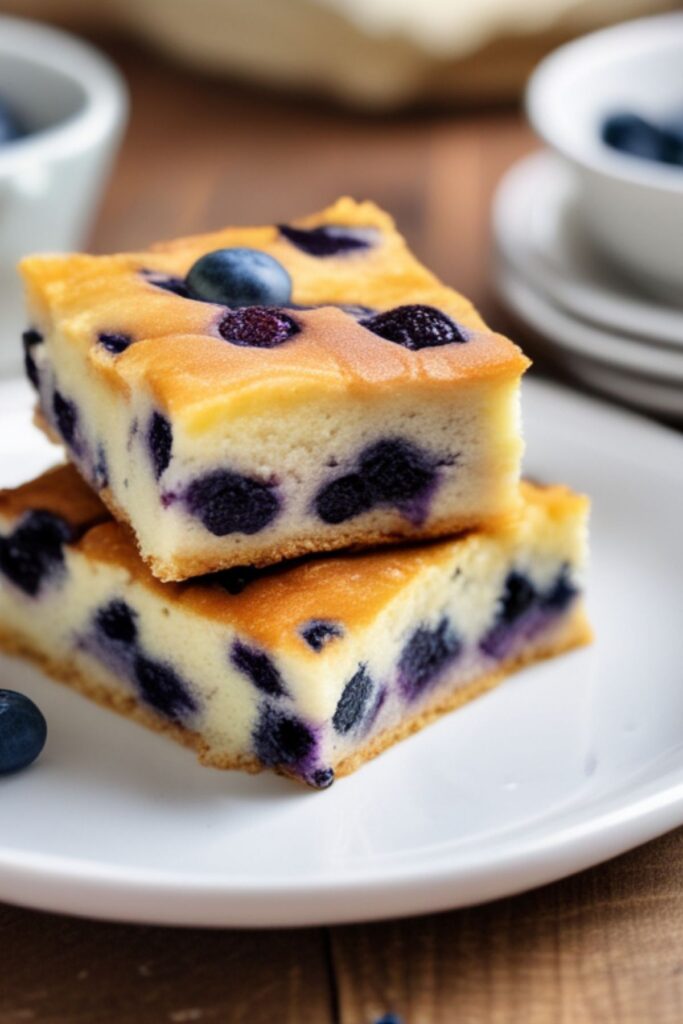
(74, 103)
(633, 208)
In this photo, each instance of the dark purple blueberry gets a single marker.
(30, 339)
(175, 285)
(230, 503)
(235, 580)
(282, 740)
(11, 126)
(117, 621)
(353, 702)
(239, 277)
(428, 652)
(257, 665)
(257, 327)
(519, 595)
(114, 343)
(561, 593)
(322, 778)
(389, 1018)
(163, 689)
(518, 598)
(101, 469)
(396, 470)
(33, 552)
(343, 498)
(66, 417)
(632, 134)
(318, 632)
(23, 731)
(329, 240)
(416, 327)
(160, 441)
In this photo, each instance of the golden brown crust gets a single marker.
(179, 355)
(574, 631)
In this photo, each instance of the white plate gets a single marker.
(594, 356)
(538, 230)
(568, 763)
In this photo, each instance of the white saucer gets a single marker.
(568, 763)
(650, 381)
(538, 230)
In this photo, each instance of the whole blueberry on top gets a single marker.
(239, 277)
(22, 731)
(415, 327)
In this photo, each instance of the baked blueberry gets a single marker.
(416, 327)
(257, 665)
(353, 701)
(117, 621)
(318, 632)
(239, 277)
(169, 283)
(23, 731)
(33, 552)
(329, 240)
(519, 594)
(30, 339)
(257, 327)
(281, 740)
(230, 503)
(518, 598)
(343, 498)
(235, 580)
(162, 688)
(66, 417)
(322, 778)
(427, 653)
(561, 593)
(160, 441)
(114, 343)
(396, 470)
(101, 469)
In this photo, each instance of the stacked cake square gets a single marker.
(292, 529)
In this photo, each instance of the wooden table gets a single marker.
(605, 946)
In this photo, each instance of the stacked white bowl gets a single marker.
(590, 239)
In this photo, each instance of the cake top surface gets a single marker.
(347, 264)
(274, 606)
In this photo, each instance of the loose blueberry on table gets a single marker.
(22, 731)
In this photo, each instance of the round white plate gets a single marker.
(599, 359)
(539, 232)
(566, 764)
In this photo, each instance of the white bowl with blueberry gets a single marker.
(611, 104)
(62, 110)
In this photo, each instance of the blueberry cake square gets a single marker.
(256, 394)
(308, 668)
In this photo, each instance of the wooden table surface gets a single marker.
(605, 946)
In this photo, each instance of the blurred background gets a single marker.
(252, 111)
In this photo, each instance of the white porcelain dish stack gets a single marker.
(589, 239)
